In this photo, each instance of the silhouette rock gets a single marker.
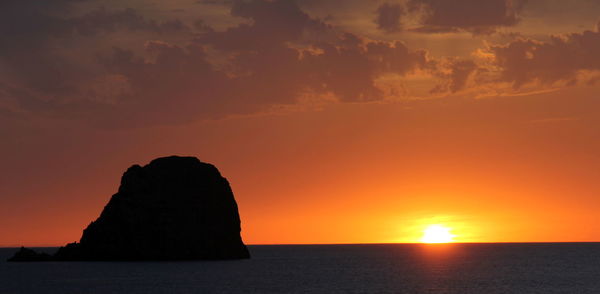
(175, 208)
(26, 254)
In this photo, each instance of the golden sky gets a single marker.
(335, 121)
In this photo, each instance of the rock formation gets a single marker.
(26, 254)
(175, 208)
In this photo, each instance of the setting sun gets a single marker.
(437, 234)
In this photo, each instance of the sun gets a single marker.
(437, 234)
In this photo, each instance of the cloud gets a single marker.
(119, 67)
(476, 16)
(389, 17)
(455, 73)
(350, 70)
(103, 20)
(278, 55)
(561, 59)
(37, 37)
(283, 54)
(272, 23)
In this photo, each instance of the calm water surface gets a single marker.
(397, 268)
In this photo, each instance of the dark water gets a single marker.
(456, 268)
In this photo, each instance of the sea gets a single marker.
(361, 268)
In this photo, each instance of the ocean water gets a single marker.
(387, 268)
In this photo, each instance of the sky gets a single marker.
(334, 121)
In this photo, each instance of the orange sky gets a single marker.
(494, 135)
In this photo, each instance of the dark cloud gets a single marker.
(103, 20)
(215, 2)
(345, 65)
(36, 36)
(275, 54)
(274, 60)
(275, 57)
(272, 24)
(456, 74)
(477, 16)
(350, 69)
(122, 67)
(389, 17)
(560, 59)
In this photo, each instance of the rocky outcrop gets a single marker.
(175, 208)
(26, 254)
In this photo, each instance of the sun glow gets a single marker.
(437, 234)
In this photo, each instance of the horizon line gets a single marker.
(375, 243)
(422, 243)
